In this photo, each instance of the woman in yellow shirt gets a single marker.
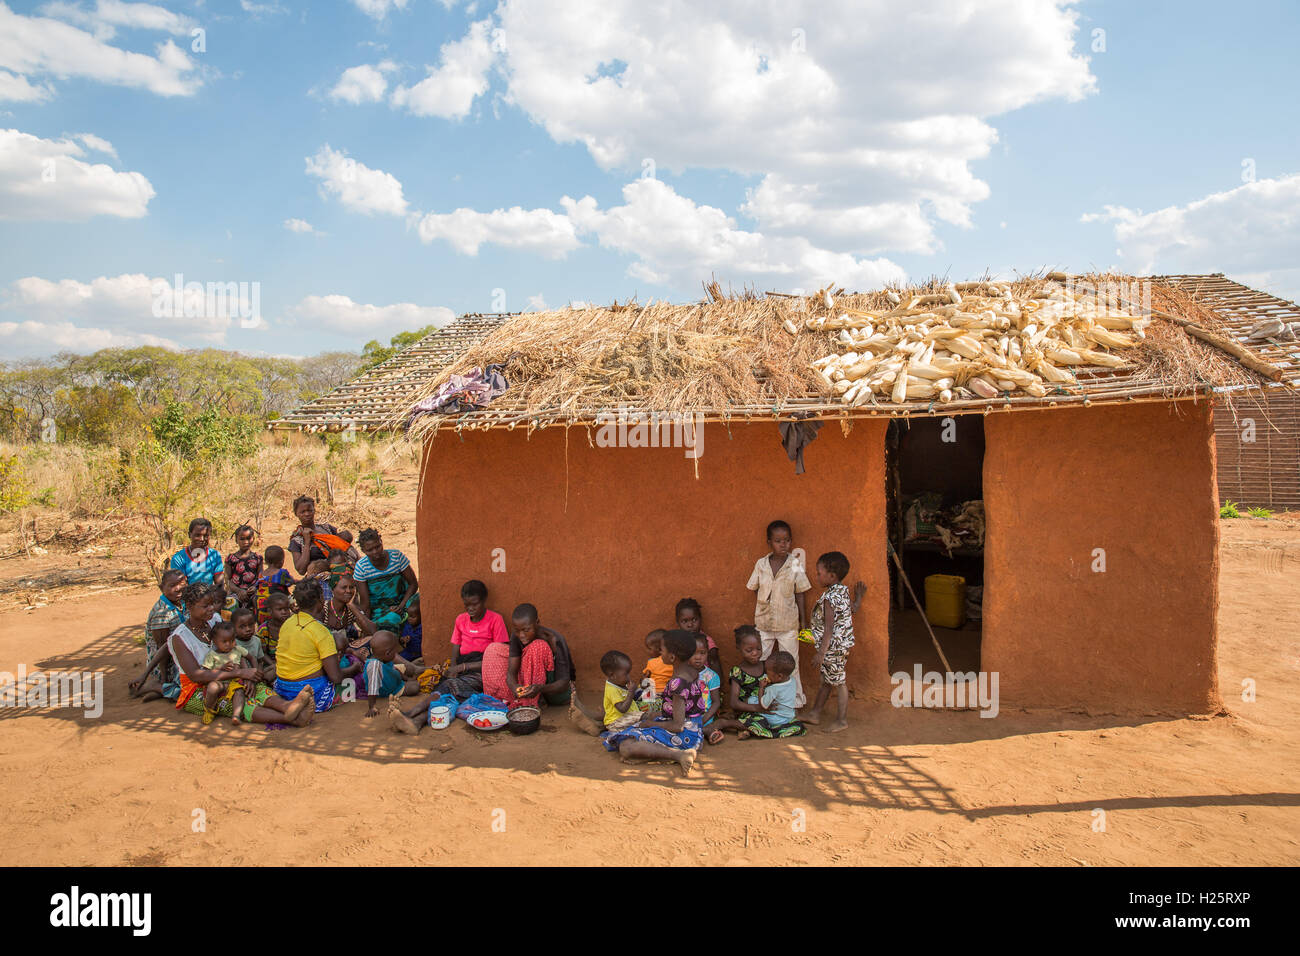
(306, 655)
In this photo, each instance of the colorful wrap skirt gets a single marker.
(758, 726)
(321, 689)
(688, 738)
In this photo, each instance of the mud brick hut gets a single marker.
(1097, 564)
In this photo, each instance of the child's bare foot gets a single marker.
(293, 714)
(236, 719)
(687, 761)
(811, 717)
(836, 727)
(743, 735)
(151, 695)
(398, 720)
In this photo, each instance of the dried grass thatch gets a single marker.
(730, 351)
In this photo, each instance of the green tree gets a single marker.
(374, 353)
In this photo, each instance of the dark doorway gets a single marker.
(935, 479)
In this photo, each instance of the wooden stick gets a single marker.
(1242, 354)
(903, 574)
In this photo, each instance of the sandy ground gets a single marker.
(145, 785)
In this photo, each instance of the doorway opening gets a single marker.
(935, 482)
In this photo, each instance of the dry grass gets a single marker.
(79, 494)
(730, 350)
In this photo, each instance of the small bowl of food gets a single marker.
(524, 720)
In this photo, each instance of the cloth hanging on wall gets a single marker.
(796, 436)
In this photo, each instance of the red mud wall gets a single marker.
(1137, 481)
(638, 531)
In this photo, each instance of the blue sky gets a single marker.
(450, 157)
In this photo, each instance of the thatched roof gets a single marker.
(730, 358)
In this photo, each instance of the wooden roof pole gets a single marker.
(1239, 352)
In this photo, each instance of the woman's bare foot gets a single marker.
(398, 720)
(836, 727)
(811, 717)
(687, 761)
(151, 695)
(293, 714)
(581, 720)
(743, 735)
(236, 719)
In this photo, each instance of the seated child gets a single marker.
(412, 634)
(621, 691)
(243, 568)
(244, 621)
(339, 565)
(279, 608)
(387, 675)
(674, 734)
(274, 579)
(352, 655)
(658, 669)
(690, 617)
(320, 571)
(225, 655)
(712, 686)
(746, 676)
(776, 716)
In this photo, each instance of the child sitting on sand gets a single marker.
(675, 734)
(746, 676)
(274, 579)
(690, 617)
(776, 694)
(387, 675)
(712, 686)
(243, 568)
(473, 631)
(225, 655)
(412, 634)
(279, 608)
(621, 691)
(659, 668)
(244, 621)
(832, 628)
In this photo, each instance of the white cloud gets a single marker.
(338, 313)
(40, 338)
(129, 309)
(378, 9)
(18, 89)
(862, 131)
(1252, 231)
(363, 84)
(459, 78)
(47, 179)
(537, 303)
(41, 45)
(259, 10)
(534, 230)
(298, 225)
(106, 15)
(97, 143)
(356, 185)
(677, 242)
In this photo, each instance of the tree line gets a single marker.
(115, 394)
